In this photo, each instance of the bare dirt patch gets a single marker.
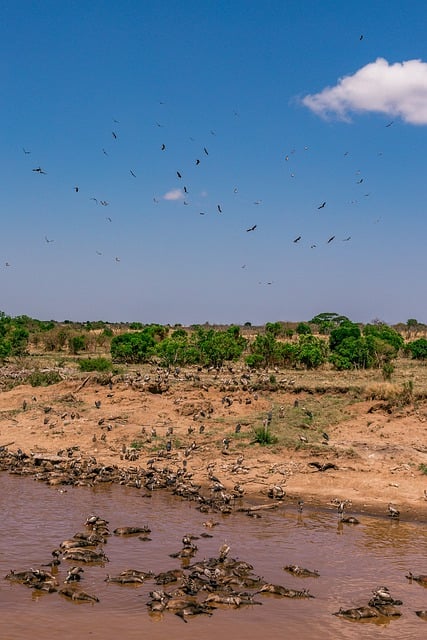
(330, 442)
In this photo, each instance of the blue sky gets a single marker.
(266, 109)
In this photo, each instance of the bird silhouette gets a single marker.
(76, 189)
(25, 151)
(359, 181)
(330, 239)
(390, 123)
(178, 174)
(47, 240)
(114, 134)
(347, 239)
(297, 239)
(361, 37)
(252, 228)
(163, 147)
(197, 161)
(132, 173)
(321, 206)
(206, 151)
(40, 170)
(218, 206)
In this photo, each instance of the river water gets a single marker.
(352, 561)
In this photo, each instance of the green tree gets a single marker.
(311, 351)
(133, 347)
(264, 351)
(418, 349)
(387, 334)
(303, 329)
(275, 328)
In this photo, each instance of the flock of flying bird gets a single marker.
(182, 194)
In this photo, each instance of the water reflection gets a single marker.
(352, 561)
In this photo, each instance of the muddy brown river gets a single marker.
(352, 560)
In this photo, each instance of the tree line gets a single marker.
(326, 338)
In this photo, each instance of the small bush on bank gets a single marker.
(263, 436)
(95, 364)
(44, 378)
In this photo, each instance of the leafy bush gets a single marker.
(77, 343)
(43, 378)
(95, 364)
(133, 347)
(311, 351)
(13, 337)
(385, 333)
(418, 348)
(303, 329)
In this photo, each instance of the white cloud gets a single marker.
(398, 89)
(175, 194)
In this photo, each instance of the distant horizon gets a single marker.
(207, 322)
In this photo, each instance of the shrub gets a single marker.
(133, 347)
(303, 329)
(95, 364)
(311, 351)
(44, 378)
(263, 436)
(77, 343)
(418, 348)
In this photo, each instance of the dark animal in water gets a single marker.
(130, 531)
(77, 596)
(358, 613)
(422, 579)
(278, 590)
(300, 571)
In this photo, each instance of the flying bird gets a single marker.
(163, 147)
(40, 170)
(104, 152)
(252, 228)
(178, 174)
(322, 205)
(330, 239)
(132, 173)
(98, 253)
(25, 151)
(359, 181)
(104, 203)
(361, 37)
(117, 259)
(297, 239)
(108, 219)
(347, 239)
(114, 134)
(94, 199)
(197, 161)
(206, 151)
(76, 189)
(218, 206)
(47, 240)
(390, 123)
